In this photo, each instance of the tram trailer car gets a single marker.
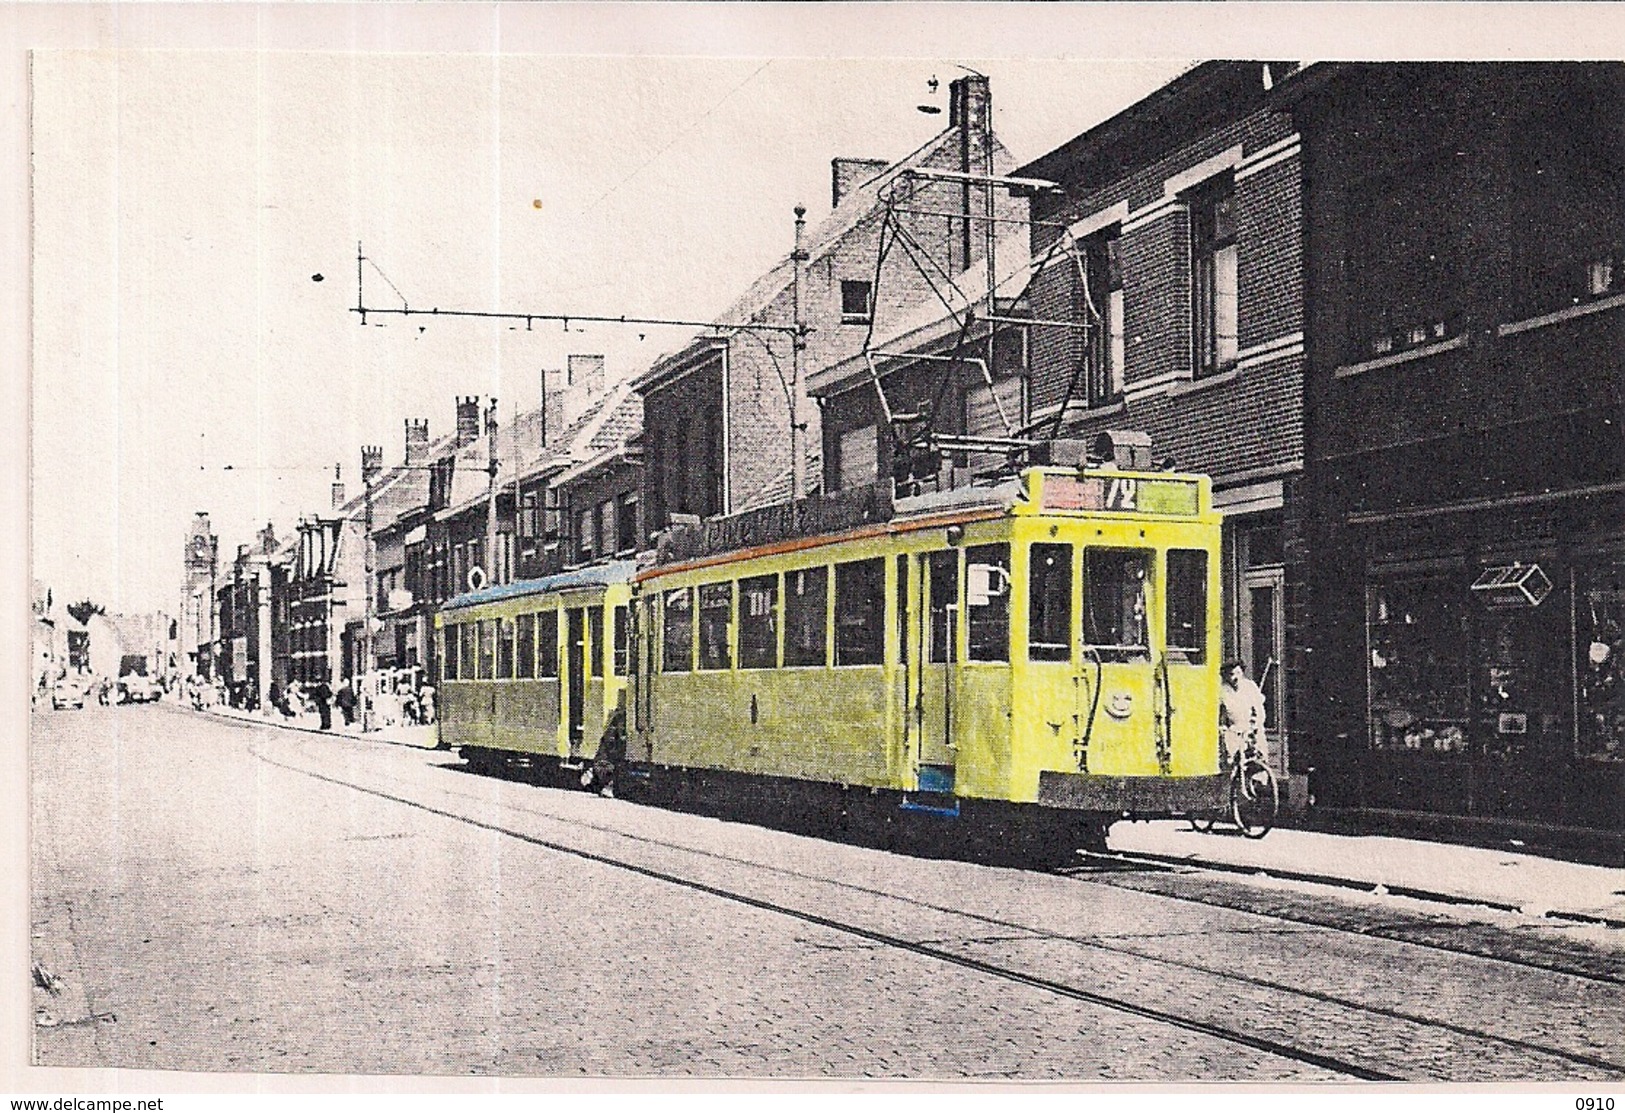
(1036, 658)
(533, 672)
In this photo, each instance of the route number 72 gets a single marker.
(1120, 495)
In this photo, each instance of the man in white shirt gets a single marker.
(1241, 711)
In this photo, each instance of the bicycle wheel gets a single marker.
(1254, 798)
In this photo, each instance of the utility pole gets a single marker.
(798, 345)
(492, 467)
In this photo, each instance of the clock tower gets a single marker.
(197, 626)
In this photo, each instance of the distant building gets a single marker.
(197, 626)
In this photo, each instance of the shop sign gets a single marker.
(1512, 585)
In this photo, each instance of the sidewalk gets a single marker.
(1501, 879)
(424, 737)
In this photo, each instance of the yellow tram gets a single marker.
(1043, 651)
(534, 670)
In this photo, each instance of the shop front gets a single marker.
(1495, 666)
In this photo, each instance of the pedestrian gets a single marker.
(426, 705)
(1241, 712)
(346, 702)
(323, 696)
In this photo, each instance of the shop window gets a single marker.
(860, 612)
(525, 646)
(857, 302)
(488, 643)
(623, 641)
(1101, 295)
(1187, 604)
(805, 615)
(1571, 189)
(451, 655)
(504, 636)
(1049, 603)
(989, 610)
(1418, 678)
(1407, 258)
(716, 612)
(1114, 602)
(1214, 258)
(943, 573)
(1599, 642)
(595, 640)
(677, 631)
(547, 644)
(758, 622)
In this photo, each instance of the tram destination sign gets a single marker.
(1124, 494)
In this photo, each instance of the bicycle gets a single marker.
(1252, 796)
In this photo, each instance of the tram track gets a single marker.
(934, 950)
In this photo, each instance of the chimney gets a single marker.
(372, 463)
(586, 374)
(468, 419)
(555, 384)
(847, 174)
(970, 111)
(969, 104)
(338, 488)
(417, 440)
(267, 539)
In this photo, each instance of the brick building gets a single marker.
(248, 637)
(717, 412)
(1466, 276)
(1176, 235)
(197, 625)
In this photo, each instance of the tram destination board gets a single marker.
(1124, 494)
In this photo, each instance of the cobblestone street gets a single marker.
(216, 896)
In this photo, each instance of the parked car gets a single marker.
(138, 688)
(66, 694)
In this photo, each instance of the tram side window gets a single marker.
(860, 612)
(677, 633)
(505, 633)
(1049, 603)
(547, 643)
(488, 645)
(758, 622)
(525, 646)
(990, 621)
(595, 639)
(1114, 602)
(468, 651)
(449, 654)
(805, 592)
(623, 641)
(943, 571)
(1187, 604)
(716, 609)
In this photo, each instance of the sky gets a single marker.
(195, 167)
(185, 200)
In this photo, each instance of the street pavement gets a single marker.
(216, 895)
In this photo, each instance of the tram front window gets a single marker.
(1114, 602)
(1049, 606)
(1187, 604)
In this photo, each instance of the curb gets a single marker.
(375, 736)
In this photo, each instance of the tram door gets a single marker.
(934, 644)
(576, 675)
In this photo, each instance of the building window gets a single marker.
(716, 613)
(1049, 603)
(805, 616)
(860, 612)
(1570, 184)
(1214, 331)
(626, 524)
(857, 457)
(758, 622)
(530, 515)
(605, 515)
(1101, 295)
(677, 640)
(586, 533)
(1406, 259)
(857, 302)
